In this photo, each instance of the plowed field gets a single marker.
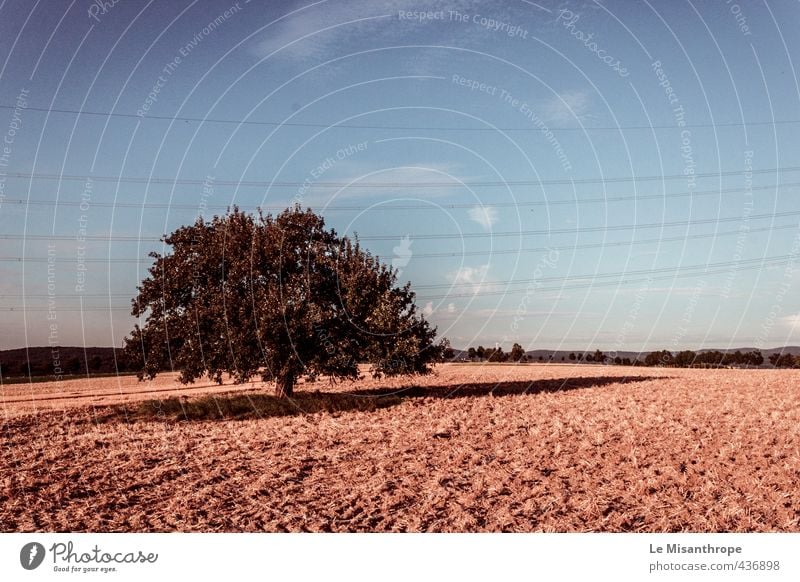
(469, 448)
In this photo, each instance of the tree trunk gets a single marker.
(284, 384)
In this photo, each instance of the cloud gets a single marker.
(568, 107)
(320, 32)
(428, 309)
(355, 172)
(375, 23)
(470, 279)
(313, 34)
(483, 215)
(791, 321)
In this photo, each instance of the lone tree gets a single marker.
(276, 297)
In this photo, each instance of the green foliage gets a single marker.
(495, 354)
(780, 360)
(95, 363)
(706, 359)
(72, 366)
(275, 297)
(517, 353)
(659, 358)
(447, 351)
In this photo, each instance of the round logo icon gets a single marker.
(31, 555)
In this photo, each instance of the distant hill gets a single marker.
(71, 360)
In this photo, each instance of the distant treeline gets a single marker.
(663, 358)
(61, 361)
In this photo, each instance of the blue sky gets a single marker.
(570, 175)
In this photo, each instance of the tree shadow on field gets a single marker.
(242, 406)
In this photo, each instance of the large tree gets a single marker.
(275, 297)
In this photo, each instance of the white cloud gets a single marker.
(451, 308)
(354, 173)
(569, 107)
(324, 34)
(470, 279)
(791, 321)
(428, 309)
(486, 216)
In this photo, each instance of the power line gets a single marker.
(598, 284)
(66, 309)
(458, 236)
(605, 244)
(297, 124)
(62, 297)
(504, 282)
(651, 275)
(578, 230)
(85, 260)
(709, 266)
(401, 207)
(403, 185)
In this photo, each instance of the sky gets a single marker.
(565, 175)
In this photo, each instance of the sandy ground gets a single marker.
(470, 448)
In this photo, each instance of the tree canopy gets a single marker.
(277, 298)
